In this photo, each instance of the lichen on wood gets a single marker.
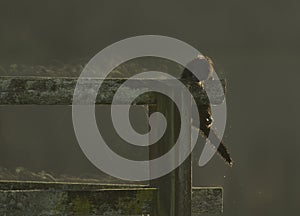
(207, 200)
(59, 91)
(129, 201)
(64, 199)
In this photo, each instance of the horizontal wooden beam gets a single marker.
(129, 201)
(207, 200)
(94, 199)
(44, 185)
(59, 91)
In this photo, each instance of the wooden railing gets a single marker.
(169, 195)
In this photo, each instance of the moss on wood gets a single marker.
(59, 91)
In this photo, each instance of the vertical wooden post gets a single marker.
(174, 189)
(183, 174)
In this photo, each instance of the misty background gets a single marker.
(254, 44)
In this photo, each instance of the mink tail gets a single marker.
(215, 140)
(222, 149)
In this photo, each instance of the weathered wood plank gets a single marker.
(40, 185)
(183, 173)
(166, 184)
(114, 202)
(59, 91)
(207, 200)
(57, 199)
(174, 189)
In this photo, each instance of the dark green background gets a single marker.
(255, 44)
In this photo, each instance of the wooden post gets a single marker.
(174, 189)
(183, 174)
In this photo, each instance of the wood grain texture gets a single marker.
(94, 199)
(59, 91)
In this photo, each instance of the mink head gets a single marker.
(201, 66)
